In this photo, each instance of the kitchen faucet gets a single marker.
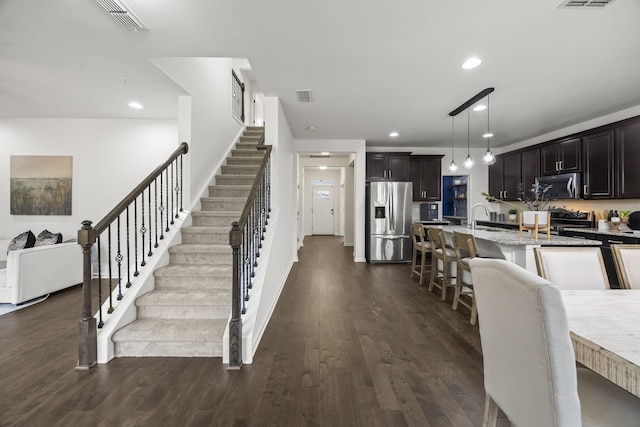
(473, 216)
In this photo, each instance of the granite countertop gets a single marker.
(512, 238)
(622, 233)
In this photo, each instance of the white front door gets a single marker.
(322, 210)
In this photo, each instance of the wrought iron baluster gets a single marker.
(143, 231)
(155, 187)
(166, 190)
(170, 212)
(128, 255)
(256, 230)
(119, 259)
(150, 210)
(177, 189)
(181, 187)
(110, 271)
(161, 209)
(136, 273)
(100, 321)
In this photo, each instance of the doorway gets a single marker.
(322, 211)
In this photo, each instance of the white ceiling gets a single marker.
(373, 66)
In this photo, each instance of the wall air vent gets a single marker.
(319, 156)
(584, 4)
(303, 95)
(122, 14)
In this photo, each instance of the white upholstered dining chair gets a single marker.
(573, 267)
(529, 366)
(627, 261)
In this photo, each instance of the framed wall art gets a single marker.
(41, 185)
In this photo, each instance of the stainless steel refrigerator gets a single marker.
(388, 222)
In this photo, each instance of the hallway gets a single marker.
(348, 345)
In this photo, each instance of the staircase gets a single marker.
(187, 312)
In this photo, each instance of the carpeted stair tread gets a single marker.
(206, 230)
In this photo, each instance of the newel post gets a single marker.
(88, 344)
(235, 325)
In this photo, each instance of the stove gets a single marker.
(562, 218)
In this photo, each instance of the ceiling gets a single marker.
(373, 66)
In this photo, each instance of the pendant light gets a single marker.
(488, 158)
(468, 162)
(452, 166)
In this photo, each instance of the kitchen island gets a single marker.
(506, 244)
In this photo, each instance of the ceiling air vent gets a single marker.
(319, 156)
(122, 14)
(584, 4)
(303, 95)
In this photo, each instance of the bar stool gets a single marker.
(465, 247)
(420, 244)
(442, 262)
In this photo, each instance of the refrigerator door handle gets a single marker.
(392, 219)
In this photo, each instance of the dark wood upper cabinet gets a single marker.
(505, 175)
(561, 156)
(496, 177)
(388, 167)
(512, 175)
(598, 176)
(426, 175)
(627, 152)
(530, 167)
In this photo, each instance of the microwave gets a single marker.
(563, 186)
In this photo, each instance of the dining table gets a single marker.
(605, 332)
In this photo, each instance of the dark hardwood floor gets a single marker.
(348, 345)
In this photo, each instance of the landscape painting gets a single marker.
(41, 185)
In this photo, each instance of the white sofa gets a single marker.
(38, 271)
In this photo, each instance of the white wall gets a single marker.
(357, 146)
(110, 157)
(349, 203)
(211, 125)
(282, 253)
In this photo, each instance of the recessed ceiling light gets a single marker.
(487, 135)
(479, 107)
(322, 168)
(325, 153)
(471, 63)
(135, 105)
(393, 134)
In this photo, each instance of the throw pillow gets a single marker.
(48, 238)
(22, 241)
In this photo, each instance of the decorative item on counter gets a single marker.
(624, 216)
(603, 225)
(536, 203)
(513, 215)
